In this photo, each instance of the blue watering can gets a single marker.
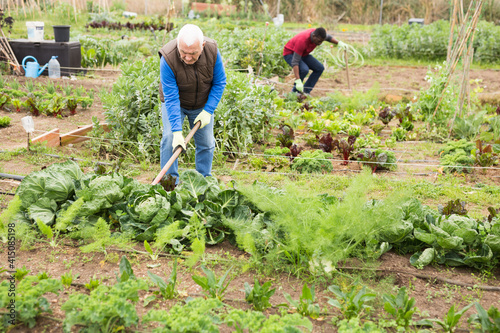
(32, 68)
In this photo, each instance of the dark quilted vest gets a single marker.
(194, 81)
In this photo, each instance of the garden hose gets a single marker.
(354, 57)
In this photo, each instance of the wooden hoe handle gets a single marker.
(176, 154)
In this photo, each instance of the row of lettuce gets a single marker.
(278, 225)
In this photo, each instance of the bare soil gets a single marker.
(433, 296)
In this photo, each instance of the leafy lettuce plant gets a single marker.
(107, 308)
(30, 302)
(315, 161)
(386, 115)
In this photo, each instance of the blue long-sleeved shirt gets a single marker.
(171, 91)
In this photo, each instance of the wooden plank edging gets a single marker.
(52, 138)
(78, 134)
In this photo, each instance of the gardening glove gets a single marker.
(342, 44)
(204, 117)
(299, 86)
(178, 141)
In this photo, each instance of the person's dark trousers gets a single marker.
(307, 63)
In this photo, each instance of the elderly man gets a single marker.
(192, 80)
(297, 54)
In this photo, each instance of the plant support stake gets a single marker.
(347, 69)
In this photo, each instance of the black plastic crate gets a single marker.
(69, 54)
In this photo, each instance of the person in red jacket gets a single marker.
(297, 55)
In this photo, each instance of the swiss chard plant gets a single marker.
(450, 322)
(286, 137)
(386, 115)
(345, 147)
(483, 154)
(377, 159)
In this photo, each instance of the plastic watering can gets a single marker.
(32, 68)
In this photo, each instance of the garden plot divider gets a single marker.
(54, 139)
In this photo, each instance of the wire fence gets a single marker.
(410, 163)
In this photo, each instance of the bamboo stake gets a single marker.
(24, 9)
(74, 7)
(8, 7)
(472, 27)
(462, 32)
(461, 16)
(452, 30)
(13, 57)
(347, 70)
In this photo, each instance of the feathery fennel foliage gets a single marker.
(7, 216)
(102, 238)
(308, 226)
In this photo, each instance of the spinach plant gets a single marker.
(213, 286)
(450, 321)
(401, 307)
(352, 303)
(486, 321)
(259, 295)
(167, 289)
(306, 305)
